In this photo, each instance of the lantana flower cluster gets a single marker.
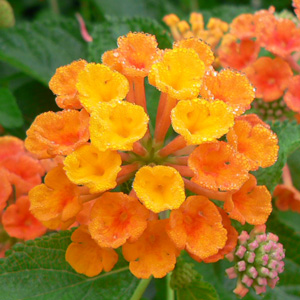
(19, 172)
(150, 191)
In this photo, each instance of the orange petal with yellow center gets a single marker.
(159, 188)
(93, 168)
(197, 227)
(153, 253)
(20, 223)
(58, 197)
(116, 218)
(63, 84)
(204, 51)
(251, 204)
(117, 125)
(86, 257)
(270, 77)
(200, 121)
(58, 133)
(255, 141)
(98, 83)
(292, 96)
(218, 166)
(231, 87)
(179, 73)
(111, 59)
(137, 52)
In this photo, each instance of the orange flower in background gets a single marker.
(115, 218)
(10, 145)
(231, 87)
(5, 189)
(237, 54)
(296, 4)
(270, 77)
(197, 227)
(251, 204)
(63, 84)
(91, 94)
(292, 96)
(153, 253)
(255, 140)
(218, 166)
(86, 257)
(243, 26)
(58, 133)
(56, 200)
(20, 223)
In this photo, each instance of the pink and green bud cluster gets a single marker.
(258, 261)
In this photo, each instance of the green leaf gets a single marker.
(37, 270)
(198, 290)
(10, 115)
(38, 48)
(289, 140)
(105, 35)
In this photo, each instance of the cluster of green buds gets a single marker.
(258, 261)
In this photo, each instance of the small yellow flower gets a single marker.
(117, 125)
(159, 188)
(95, 169)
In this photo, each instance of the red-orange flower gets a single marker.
(63, 84)
(10, 145)
(270, 77)
(218, 166)
(56, 200)
(243, 26)
(296, 4)
(5, 189)
(115, 218)
(153, 253)
(251, 204)
(58, 133)
(232, 87)
(287, 197)
(197, 226)
(255, 140)
(20, 223)
(292, 96)
(86, 257)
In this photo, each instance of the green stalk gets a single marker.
(54, 6)
(170, 291)
(139, 291)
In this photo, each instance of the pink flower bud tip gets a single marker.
(273, 264)
(251, 257)
(265, 259)
(241, 251)
(244, 237)
(247, 280)
(273, 274)
(241, 290)
(253, 245)
(261, 238)
(272, 282)
(260, 289)
(241, 266)
(273, 237)
(231, 273)
(262, 281)
(253, 273)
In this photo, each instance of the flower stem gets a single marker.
(54, 6)
(170, 291)
(139, 291)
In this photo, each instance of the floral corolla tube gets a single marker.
(144, 182)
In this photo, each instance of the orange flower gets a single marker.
(255, 140)
(270, 77)
(20, 223)
(292, 96)
(95, 169)
(185, 84)
(117, 125)
(58, 133)
(231, 241)
(5, 189)
(159, 188)
(218, 166)
(86, 257)
(197, 227)
(288, 197)
(252, 203)
(237, 55)
(279, 36)
(200, 121)
(231, 87)
(111, 85)
(57, 199)
(204, 51)
(296, 4)
(153, 253)
(115, 218)
(243, 26)
(63, 84)
(10, 145)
